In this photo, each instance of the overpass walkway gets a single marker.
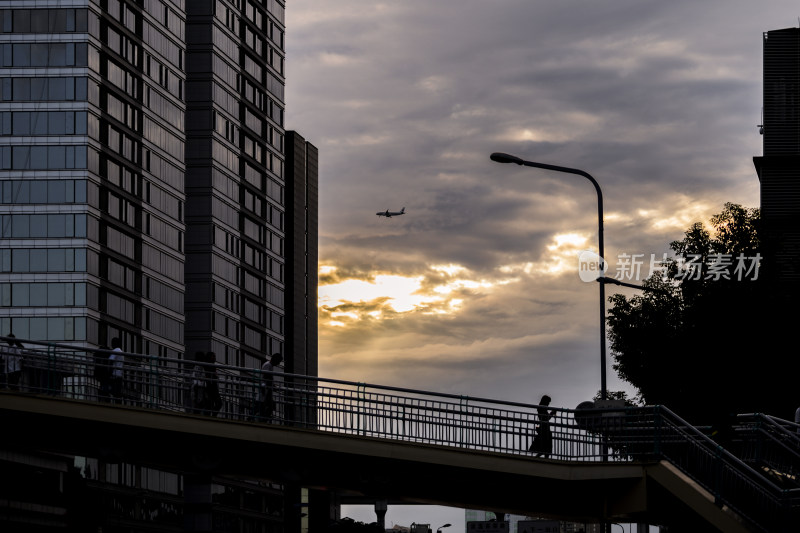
(626, 463)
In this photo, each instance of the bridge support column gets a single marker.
(197, 503)
(323, 508)
(380, 511)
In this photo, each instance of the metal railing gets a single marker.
(769, 444)
(619, 435)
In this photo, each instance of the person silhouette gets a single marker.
(13, 363)
(267, 394)
(117, 362)
(542, 444)
(213, 398)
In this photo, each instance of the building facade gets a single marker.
(779, 167)
(144, 180)
(149, 191)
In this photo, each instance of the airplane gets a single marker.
(390, 214)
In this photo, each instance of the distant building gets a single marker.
(486, 522)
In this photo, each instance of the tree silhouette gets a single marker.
(701, 338)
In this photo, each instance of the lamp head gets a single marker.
(500, 157)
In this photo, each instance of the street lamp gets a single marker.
(506, 158)
(442, 527)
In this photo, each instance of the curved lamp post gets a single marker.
(440, 528)
(506, 158)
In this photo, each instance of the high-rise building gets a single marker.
(144, 180)
(779, 166)
(237, 203)
(92, 173)
(149, 190)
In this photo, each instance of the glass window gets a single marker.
(56, 226)
(21, 328)
(39, 20)
(80, 157)
(22, 21)
(57, 260)
(37, 54)
(57, 191)
(58, 20)
(80, 225)
(38, 192)
(57, 88)
(80, 192)
(5, 260)
(38, 329)
(22, 123)
(21, 191)
(20, 261)
(56, 329)
(20, 293)
(69, 122)
(59, 54)
(39, 123)
(70, 20)
(38, 89)
(79, 327)
(57, 122)
(80, 123)
(22, 88)
(70, 87)
(20, 155)
(56, 294)
(56, 157)
(81, 20)
(38, 158)
(80, 88)
(38, 260)
(80, 294)
(81, 55)
(8, 93)
(5, 295)
(19, 226)
(80, 260)
(38, 294)
(38, 225)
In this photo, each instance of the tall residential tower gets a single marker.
(145, 188)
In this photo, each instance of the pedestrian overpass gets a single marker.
(387, 443)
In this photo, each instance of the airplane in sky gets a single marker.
(390, 214)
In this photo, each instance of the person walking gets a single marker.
(117, 361)
(542, 444)
(213, 400)
(13, 363)
(267, 393)
(198, 391)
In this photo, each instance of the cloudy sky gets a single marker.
(475, 290)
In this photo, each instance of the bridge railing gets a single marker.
(770, 444)
(620, 434)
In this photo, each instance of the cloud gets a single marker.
(406, 100)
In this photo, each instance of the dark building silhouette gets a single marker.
(302, 189)
(779, 167)
(149, 191)
(776, 315)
